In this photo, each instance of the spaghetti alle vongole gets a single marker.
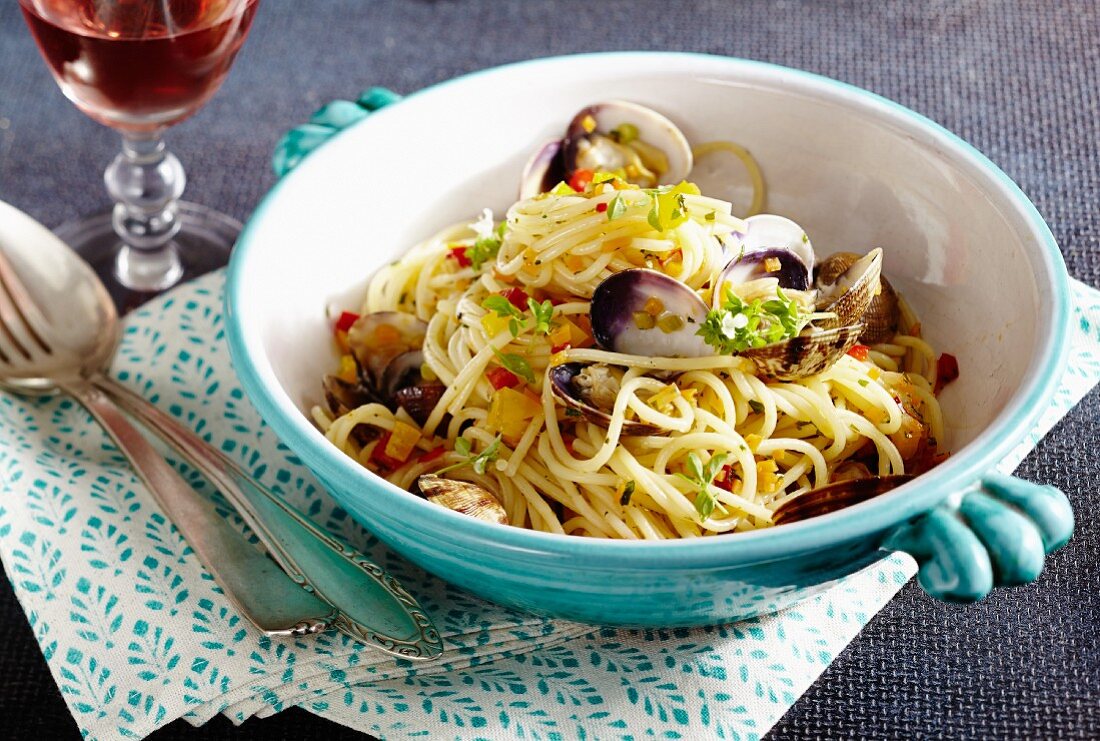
(632, 363)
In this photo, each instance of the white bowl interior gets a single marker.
(855, 172)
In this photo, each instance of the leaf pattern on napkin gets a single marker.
(135, 632)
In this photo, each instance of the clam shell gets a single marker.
(771, 231)
(462, 496)
(793, 273)
(653, 129)
(851, 293)
(808, 354)
(342, 396)
(880, 320)
(543, 171)
(620, 296)
(836, 496)
(562, 386)
(374, 341)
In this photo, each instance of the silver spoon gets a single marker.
(59, 331)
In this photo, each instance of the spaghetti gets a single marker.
(680, 447)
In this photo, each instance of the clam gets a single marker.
(543, 171)
(775, 262)
(462, 496)
(836, 496)
(850, 293)
(376, 339)
(880, 319)
(342, 396)
(591, 390)
(644, 312)
(612, 136)
(811, 352)
(772, 232)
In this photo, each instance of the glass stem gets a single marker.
(146, 180)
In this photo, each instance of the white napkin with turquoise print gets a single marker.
(136, 634)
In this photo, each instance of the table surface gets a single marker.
(1019, 80)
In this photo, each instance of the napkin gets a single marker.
(136, 634)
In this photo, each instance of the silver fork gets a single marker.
(40, 353)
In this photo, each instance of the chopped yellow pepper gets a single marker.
(561, 334)
(766, 478)
(402, 440)
(510, 413)
(494, 324)
(348, 371)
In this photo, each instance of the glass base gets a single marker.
(203, 243)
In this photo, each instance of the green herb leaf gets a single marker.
(616, 208)
(480, 461)
(736, 326)
(654, 217)
(517, 364)
(501, 306)
(701, 477)
(484, 250)
(710, 216)
(628, 492)
(543, 314)
(756, 406)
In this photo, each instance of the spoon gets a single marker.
(59, 331)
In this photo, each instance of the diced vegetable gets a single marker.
(378, 453)
(433, 454)
(347, 318)
(402, 440)
(859, 352)
(494, 324)
(560, 335)
(348, 370)
(459, 255)
(500, 378)
(947, 370)
(580, 179)
(516, 296)
(510, 412)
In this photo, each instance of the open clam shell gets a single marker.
(771, 231)
(661, 147)
(462, 496)
(836, 496)
(851, 293)
(808, 354)
(775, 262)
(543, 171)
(880, 318)
(377, 338)
(644, 312)
(595, 407)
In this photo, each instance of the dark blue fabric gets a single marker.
(1020, 80)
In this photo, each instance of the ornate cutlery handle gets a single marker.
(251, 581)
(371, 605)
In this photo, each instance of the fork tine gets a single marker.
(22, 323)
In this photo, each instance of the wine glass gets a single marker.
(140, 66)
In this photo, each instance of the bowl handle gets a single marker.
(997, 535)
(330, 118)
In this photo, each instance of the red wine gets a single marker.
(139, 65)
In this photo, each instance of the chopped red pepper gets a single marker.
(347, 318)
(580, 179)
(725, 478)
(947, 370)
(516, 296)
(378, 455)
(501, 378)
(459, 254)
(601, 207)
(859, 352)
(559, 348)
(432, 454)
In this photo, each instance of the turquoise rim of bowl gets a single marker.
(956, 475)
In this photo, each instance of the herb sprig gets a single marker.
(541, 319)
(516, 364)
(701, 477)
(479, 461)
(738, 325)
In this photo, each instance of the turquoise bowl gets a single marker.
(366, 179)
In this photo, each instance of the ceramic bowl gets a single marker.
(964, 244)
